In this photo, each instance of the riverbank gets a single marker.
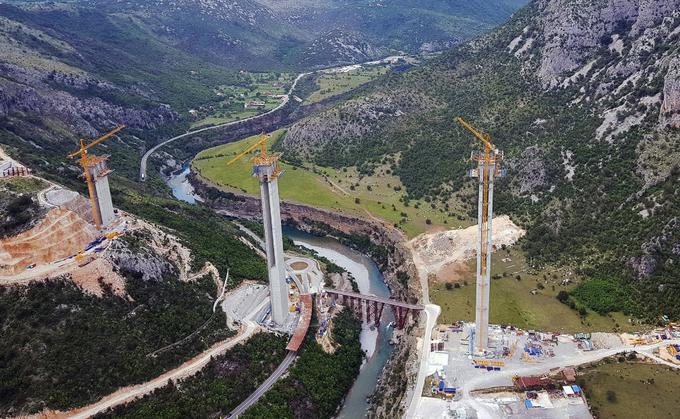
(384, 244)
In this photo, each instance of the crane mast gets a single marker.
(488, 168)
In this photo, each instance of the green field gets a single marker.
(332, 84)
(512, 300)
(344, 191)
(631, 390)
(228, 103)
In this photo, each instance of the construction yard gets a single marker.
(531, 374)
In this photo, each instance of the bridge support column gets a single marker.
(378, 313)
(402, 316)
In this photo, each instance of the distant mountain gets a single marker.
(584, 97)
(77, 68)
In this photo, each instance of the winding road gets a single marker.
(286, 99)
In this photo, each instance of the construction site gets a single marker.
(72, 234)
(477, 370)
(471, 369)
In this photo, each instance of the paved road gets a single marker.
(268, 383)
(432, 312)
(286, 99)
(142, 166)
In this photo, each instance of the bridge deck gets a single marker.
(383, 300)
(303, 323)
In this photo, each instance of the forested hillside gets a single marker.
(584, 99)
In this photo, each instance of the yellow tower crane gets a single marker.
(264, 158)
(88, 163)
(486, 159)
(488, 168)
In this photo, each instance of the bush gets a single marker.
(611, 396)
(563, 296)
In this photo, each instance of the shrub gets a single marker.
(611, 396)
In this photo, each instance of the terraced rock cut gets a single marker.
(60, 235)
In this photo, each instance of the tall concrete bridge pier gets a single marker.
(267, 172)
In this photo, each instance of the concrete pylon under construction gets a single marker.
(271, 216)
(488, 168)
(103, 205)
(266, 169)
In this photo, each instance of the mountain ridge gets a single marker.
(582, 97)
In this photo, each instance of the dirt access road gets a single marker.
(128, 394)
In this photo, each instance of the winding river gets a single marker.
(370, 281)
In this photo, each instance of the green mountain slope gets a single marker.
(584, 100)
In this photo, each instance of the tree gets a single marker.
(611, 396)
(563, 296)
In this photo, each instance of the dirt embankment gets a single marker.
(440, 256)
(62, 233)
(386, 245)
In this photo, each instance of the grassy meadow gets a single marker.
(346, 191)
(529, 303)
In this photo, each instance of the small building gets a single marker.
(569, 375)
(530, 382)
(254, 104)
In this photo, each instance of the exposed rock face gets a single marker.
(653, 250)
(530, 170)
(130, 255)
(29, 91)
(337, 128)
(573, 30)
(343, 46)
(670, 107)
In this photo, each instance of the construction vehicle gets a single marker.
(95, 173)
(488, 362)
(488, 168)
(112, 235)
